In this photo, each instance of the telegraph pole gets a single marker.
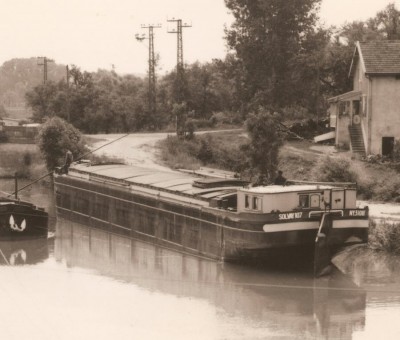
(152, 66)
(68, 94)
(180, 73)
(44, 64)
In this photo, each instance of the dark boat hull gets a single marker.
(19, 221)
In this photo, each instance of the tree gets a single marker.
(266, 36)
(40, 99)
(388, 22)
(56, 137)
(264, 145)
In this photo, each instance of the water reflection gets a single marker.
(30, 252)
(292, 303)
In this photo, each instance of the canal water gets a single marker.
(86, 284)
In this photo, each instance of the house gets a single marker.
(367, 119)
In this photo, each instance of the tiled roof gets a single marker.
(381, 57)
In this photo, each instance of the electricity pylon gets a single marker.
(180, 88)
(44, 64)
(152, 66)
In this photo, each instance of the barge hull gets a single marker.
(184, 227)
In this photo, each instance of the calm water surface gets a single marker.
(86, 284)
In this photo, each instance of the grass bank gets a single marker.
(218, 150)
(299, 160)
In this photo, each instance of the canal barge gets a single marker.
(20, 220)
(222, 219)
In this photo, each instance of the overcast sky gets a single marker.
(100, 33)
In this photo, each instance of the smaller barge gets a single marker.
(21, 220)
(221, 219)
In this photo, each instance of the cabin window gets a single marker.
(315, 201)
(246, 202)
(256, 203)
(303, 201)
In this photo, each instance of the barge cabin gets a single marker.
(221, 219)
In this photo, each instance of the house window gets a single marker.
(304, 201)
(343, 108)
(356, 107)
(387, 146)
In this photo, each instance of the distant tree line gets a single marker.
(280, 60)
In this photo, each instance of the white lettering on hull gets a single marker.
(290, 216)
(357, 213)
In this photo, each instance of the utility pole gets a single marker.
(68, 104)
(68, 75)
(44, 64)
(180, 73)
(152, 66)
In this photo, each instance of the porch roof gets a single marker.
(346, 96)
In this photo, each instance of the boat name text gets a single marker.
(357, 213)
(290, 216)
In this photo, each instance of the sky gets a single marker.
(100, 34)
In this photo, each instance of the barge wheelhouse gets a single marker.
(216, 218)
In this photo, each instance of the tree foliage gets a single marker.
(264, 145)
(55, 138)
(266, 36)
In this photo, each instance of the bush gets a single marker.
(56, 137)
(225, 118)
(384, 235)
(222, 152)
(205, 153)
(331, 169)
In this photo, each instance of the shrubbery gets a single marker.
(385, 236)
(56, 137)
(331, 169)
(204, 150)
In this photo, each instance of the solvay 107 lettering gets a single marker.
(290, 216)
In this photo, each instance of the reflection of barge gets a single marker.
(293, 304)
(214, 218)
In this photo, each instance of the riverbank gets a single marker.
(23, 159)
(299, 160)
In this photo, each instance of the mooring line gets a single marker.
(113, 141)
(2, 254)
(78, 159)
